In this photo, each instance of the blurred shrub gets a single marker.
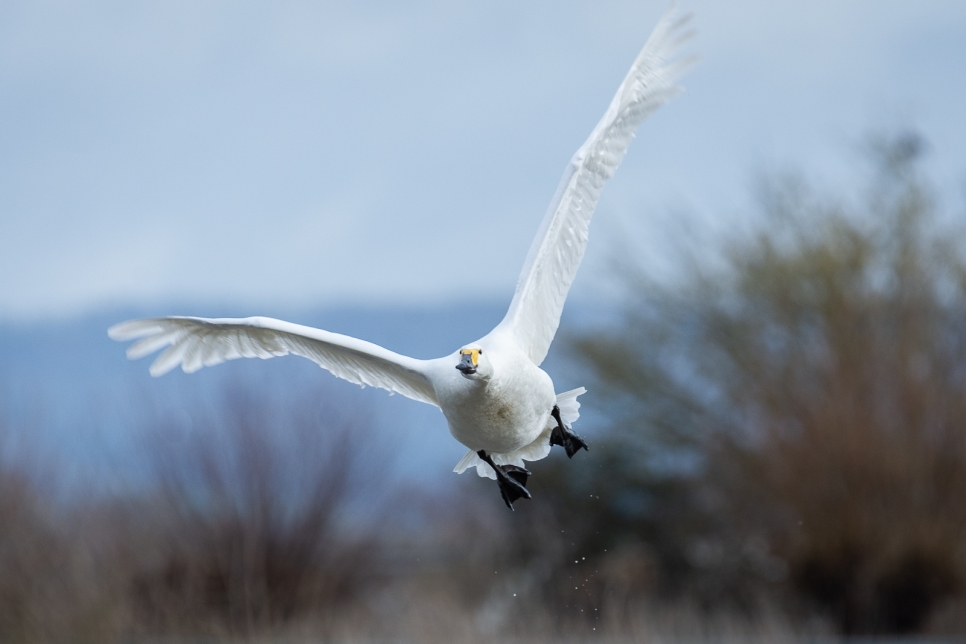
(51, 586)
(264, 516)
(27, 543)
(792, 424)
(258, 519)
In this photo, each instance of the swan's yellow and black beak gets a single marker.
(469, 361)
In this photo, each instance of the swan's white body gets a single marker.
(502, 414)
(504, 406)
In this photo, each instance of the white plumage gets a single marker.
(494, 395)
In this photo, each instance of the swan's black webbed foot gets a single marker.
(512, 480)
(565, 437)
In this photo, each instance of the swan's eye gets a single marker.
(481, 351)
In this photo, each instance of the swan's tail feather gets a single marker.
(568, 405)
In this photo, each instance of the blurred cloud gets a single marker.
(293, 154)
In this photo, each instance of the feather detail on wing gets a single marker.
(560, 243)
(200, 342)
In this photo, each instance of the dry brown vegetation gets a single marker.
(266, 523)
(259, 528)
(805, 410)
(780, 455)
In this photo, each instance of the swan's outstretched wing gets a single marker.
(199, 342)
(559, 246)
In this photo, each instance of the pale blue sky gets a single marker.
(296, 154)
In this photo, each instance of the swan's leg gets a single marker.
(512, 480)
(565, 437)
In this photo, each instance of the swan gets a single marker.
(497, 400)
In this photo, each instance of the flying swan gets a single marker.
(497, 400)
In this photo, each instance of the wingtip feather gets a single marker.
(134, 329)
(167, 361)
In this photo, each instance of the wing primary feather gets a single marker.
(194, 343)
(149, 345)
(168, 360)
(133, 329)
(559, 246)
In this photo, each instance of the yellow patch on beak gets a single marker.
(474, 353)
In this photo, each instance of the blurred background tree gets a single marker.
(253, 516)
(265, 515)
(792, 425)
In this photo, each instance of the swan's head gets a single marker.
(473, 364)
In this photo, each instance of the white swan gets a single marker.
(496, 399)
